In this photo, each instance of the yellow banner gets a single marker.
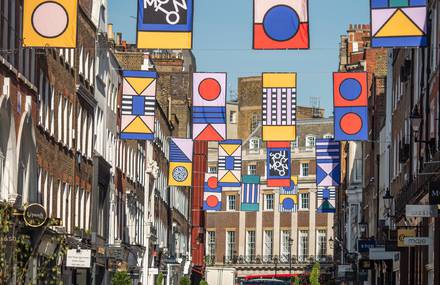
(50, 23)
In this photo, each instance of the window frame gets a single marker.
(302, 200)
(250, 171)
(268, 201)
(231, 206)
(302, 169)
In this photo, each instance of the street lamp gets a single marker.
(388, 199)
(416, 120)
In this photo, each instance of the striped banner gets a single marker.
(250, 193)
(328, 166)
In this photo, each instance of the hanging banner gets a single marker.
(138, 108)
(165, 24)
(326, 200)
(422, 211)
(328, 165)
(350, 98)
(398, 23)
(289, 196)
(229, 163)
(279, 107)
(250, 193)
(281, 24)
(417, 241)
(212, 200)
(209, 107)
(278, 164)
(181, 156)
(50, 23)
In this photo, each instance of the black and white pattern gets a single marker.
(279, 106)
(149, 105)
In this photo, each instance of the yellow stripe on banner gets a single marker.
(276, 80)
(164, 40)
(279, 133)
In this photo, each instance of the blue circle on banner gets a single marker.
(281, 23)
(350, 89)
(288, 203)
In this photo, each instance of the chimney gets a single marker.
(118, 39)
(110, 34)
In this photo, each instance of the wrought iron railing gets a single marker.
(269, 259)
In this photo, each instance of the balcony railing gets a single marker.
(269, 259)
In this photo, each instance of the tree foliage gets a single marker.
(159, 280)
(314, 275)
(185, 281)
(203, 282)
(121, 278)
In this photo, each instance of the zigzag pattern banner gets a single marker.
(328, 165)
(229, 163)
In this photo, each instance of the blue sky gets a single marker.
(223, 41)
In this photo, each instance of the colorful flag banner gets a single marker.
(289, 196)
(50, 23)
(181, 160)
(138, 105)
(209, 107)
(212, 200)
(399, 23)
(250, 193)
(229, 163)
(328, 163)
(350, 106)
(326, 200)
(165, 24)
(278, 164)
(281, 24)
(279, 107)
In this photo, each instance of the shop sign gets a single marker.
(153, 271)
(365, 264)
(79, 258)
(35, 215)
(422, 211)
(417, 241)
(402, 234)
(381, 254)
(365, 244)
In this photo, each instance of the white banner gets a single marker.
(381, 254)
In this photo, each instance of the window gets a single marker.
(295, 144)
(252, 169)
(303, 245)
(304, 201)
(310, 141)
(231, 203)
(2, 167)
(255, 122)
(321, 243)
(268, 202)
(304, 171)
(268, 243)
(230, 243)
(250, 244)
(210, 250)
(254, 144)
(212, 169)
(285, 245)
(357, 169)
(233, 117)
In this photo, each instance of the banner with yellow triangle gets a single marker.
(229, 163)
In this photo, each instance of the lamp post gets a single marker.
(290, 255)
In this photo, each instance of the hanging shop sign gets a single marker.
(379, 253)
(402, 234)
(365, 264)
(365, 244)
(35, 215)
(422, 211)
(417, 241)
(79, 258)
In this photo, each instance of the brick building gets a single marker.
(260, 243)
